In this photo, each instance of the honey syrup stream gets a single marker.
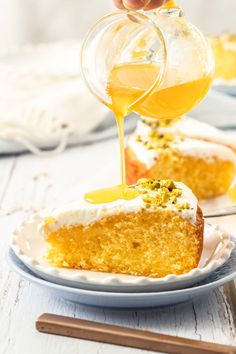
(121, 191)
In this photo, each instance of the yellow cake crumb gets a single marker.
(148, 244)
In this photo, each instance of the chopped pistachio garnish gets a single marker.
(158, 141)
(157, 193)
(183, 206)
(155, 123)
(169, 184)
(142, 180)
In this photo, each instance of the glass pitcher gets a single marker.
(156, 64)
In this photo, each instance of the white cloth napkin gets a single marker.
(44, 102)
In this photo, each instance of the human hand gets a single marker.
(138, 4)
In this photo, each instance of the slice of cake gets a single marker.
(185, 150)
(157, 233)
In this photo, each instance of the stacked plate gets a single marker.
(27, 256)
(226, 86)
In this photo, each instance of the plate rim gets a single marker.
(77, 291)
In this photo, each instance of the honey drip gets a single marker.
(129, 83)
(120, 126)
(121, 191)
(111, 194)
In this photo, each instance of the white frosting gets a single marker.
(84, 213)
(189, 147)
(193, 128)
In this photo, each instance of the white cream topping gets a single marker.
(188, 146)
(84, 213)
(192, 128)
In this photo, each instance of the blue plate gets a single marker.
(128, 300)
(228, 88)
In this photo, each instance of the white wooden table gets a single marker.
(29, 183)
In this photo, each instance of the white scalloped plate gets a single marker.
(125, 300)
(31, 248)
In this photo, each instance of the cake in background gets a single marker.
(185, 150)
(224, 49)
(158, 232)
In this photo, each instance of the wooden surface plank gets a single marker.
(29, 183)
